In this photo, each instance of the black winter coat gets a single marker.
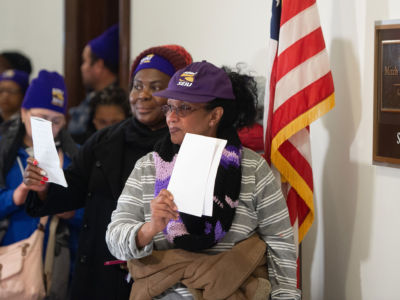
(95, 180)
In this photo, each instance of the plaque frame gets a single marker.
(386, 122)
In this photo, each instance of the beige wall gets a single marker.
(352, 249)
(37, 29)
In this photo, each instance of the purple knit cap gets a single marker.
(198, 82)
(153, 61)
(19, 77)
(47, 91)
(106, 46)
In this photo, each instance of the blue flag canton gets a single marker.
(275, 19)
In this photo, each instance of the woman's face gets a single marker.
(184, 117)
(57, 119)
(146, 107)
(106, 115)
(11, 98)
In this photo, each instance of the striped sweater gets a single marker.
(261, 209)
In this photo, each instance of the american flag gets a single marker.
(299, 90)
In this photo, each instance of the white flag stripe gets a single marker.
(298, 27)
(301, 141)
(300, 77)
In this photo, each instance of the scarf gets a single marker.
(139, 135)
(194, 233)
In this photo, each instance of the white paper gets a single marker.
(193, 177)
(45, 151)
(208, 205)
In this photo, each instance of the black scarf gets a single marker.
(198, 233)
(139, 135)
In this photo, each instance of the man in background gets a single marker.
(99, 71)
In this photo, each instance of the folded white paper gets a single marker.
(45, 151)
(193, 177)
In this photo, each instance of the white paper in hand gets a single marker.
(193, 177)
(45, 150)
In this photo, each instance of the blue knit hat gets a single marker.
(47, 91)
(19, 77)
(106, 46)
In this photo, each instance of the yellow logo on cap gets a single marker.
(8, 74)
(57, 97)
(186, 78)
(146, 59)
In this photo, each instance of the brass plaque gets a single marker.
(390, 98)
(386, 138)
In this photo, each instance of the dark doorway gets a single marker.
(84, 20)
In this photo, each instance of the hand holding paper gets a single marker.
(45, 150)
(193, 177)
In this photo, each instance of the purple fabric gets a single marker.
(175, 228)
(198, 82)
(230, 156)
(152, 61)
(163, 172)
(219, 232)
(19, 77)
(106, 46)
(46, 91)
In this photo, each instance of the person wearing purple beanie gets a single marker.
(46, 97)
(98, 172)
(13, 85)
(99, 70)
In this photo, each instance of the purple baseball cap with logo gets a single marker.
(198, 82)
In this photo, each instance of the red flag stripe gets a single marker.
(268, 133)
(297, 208)
(302, 102)
(301, 141)
(300, 122)
(300, 77)
(293, 177)
(298, 27)
(291, 201)
(292, 7)
(300, 51)
(300, 91)
(294, 157)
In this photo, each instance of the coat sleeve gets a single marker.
(275, 229)
(7, 206)
(60, 199)
(128, 217)
(13, 179)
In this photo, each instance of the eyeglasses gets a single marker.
(10, 91)
(181, 110)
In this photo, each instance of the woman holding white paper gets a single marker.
(99, 171)
(208, 101)
(45, 98)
